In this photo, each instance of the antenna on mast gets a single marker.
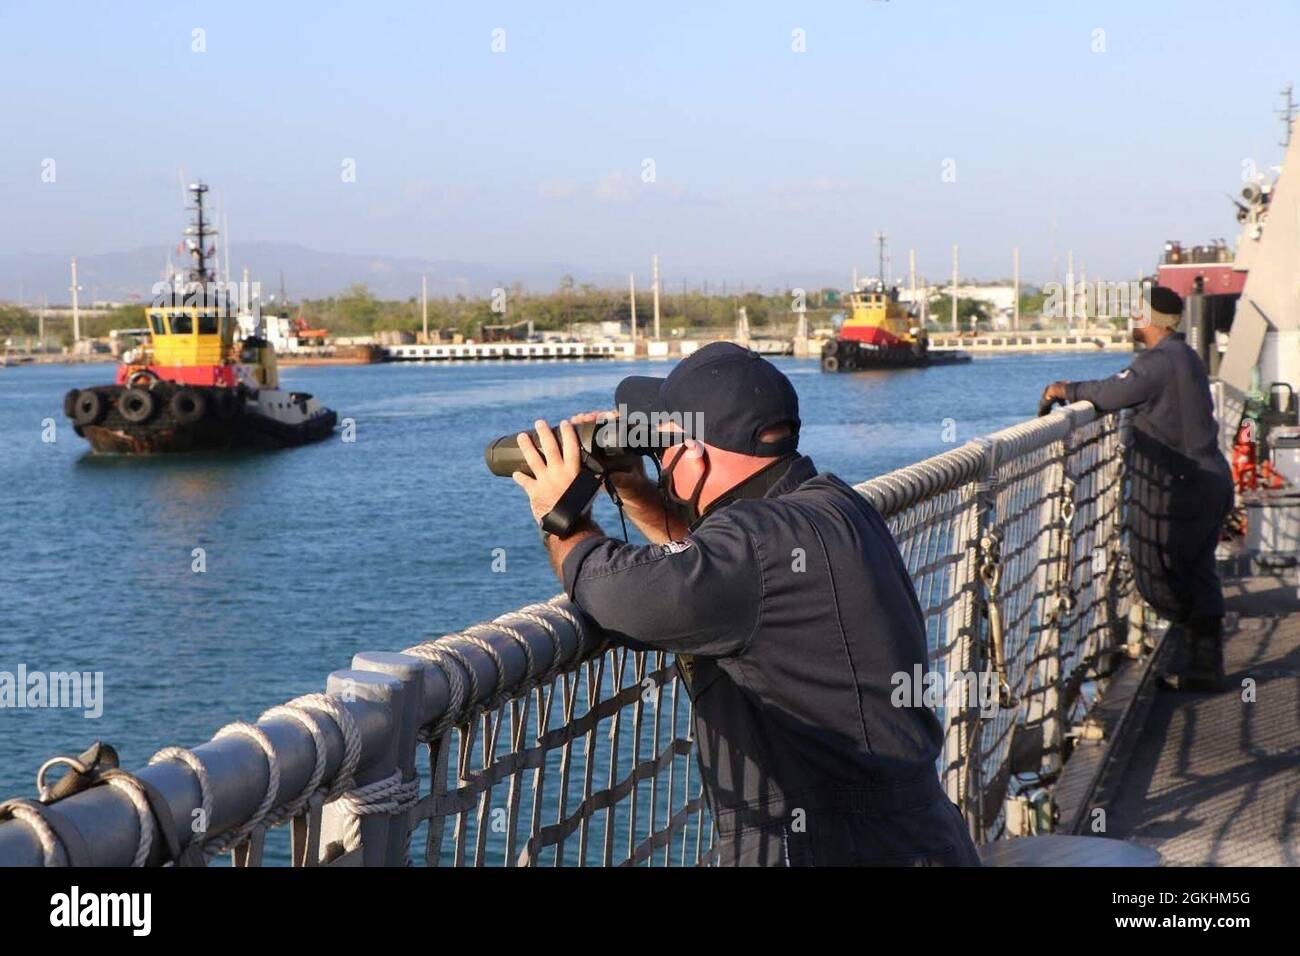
(880, 241)
(1287, 113)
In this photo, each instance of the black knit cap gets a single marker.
(1166, 300)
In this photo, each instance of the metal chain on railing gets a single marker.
(991, 574)
(1065, 598)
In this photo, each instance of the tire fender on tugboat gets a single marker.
(188, 406)
(136, 405)
(89, 408)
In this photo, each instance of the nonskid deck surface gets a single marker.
(1213, 779)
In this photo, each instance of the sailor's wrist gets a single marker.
(635, 490)
(584, 523)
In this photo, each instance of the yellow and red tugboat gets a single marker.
(878, 332)
(206, 378)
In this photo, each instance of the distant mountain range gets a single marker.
(308, 273)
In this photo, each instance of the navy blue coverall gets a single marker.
(1180, 485)
(790, 614)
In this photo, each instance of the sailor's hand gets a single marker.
(554, 466)
(1052, 394)
(583, 418)
(632, 484)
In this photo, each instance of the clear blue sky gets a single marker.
(770, 164)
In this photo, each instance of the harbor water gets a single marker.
(207, 588)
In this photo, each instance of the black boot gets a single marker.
(1206, 672)
(1178, 660)
(1203, 672)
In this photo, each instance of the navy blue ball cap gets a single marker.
(725, 395)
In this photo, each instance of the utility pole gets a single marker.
(631, 285)
(1069, 291)
(655, 264)
(1083, 301)
(424, 306)
(1056, 263)
(76, 311)
(1141, 305)
(955, 326)
(1015, 290)
(911, 275)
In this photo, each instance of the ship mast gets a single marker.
(1287, 113)
(880, 241)
(197, 234)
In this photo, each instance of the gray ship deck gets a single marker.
(1213, 779)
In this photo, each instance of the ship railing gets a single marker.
(1229, 408)
(532, 740)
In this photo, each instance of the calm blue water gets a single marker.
(315, 553)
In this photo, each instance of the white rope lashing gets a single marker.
(306, 710)
(200, 772)
(448, 654)
(52, 850)
(135, 793)
(391, 795)
(245, 729)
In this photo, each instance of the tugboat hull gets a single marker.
(168, 418)
(848, 355)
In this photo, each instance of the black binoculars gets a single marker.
(600, 440)
(604, 450)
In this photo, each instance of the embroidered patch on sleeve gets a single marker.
(676, 547)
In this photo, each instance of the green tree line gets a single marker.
(357, 311)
